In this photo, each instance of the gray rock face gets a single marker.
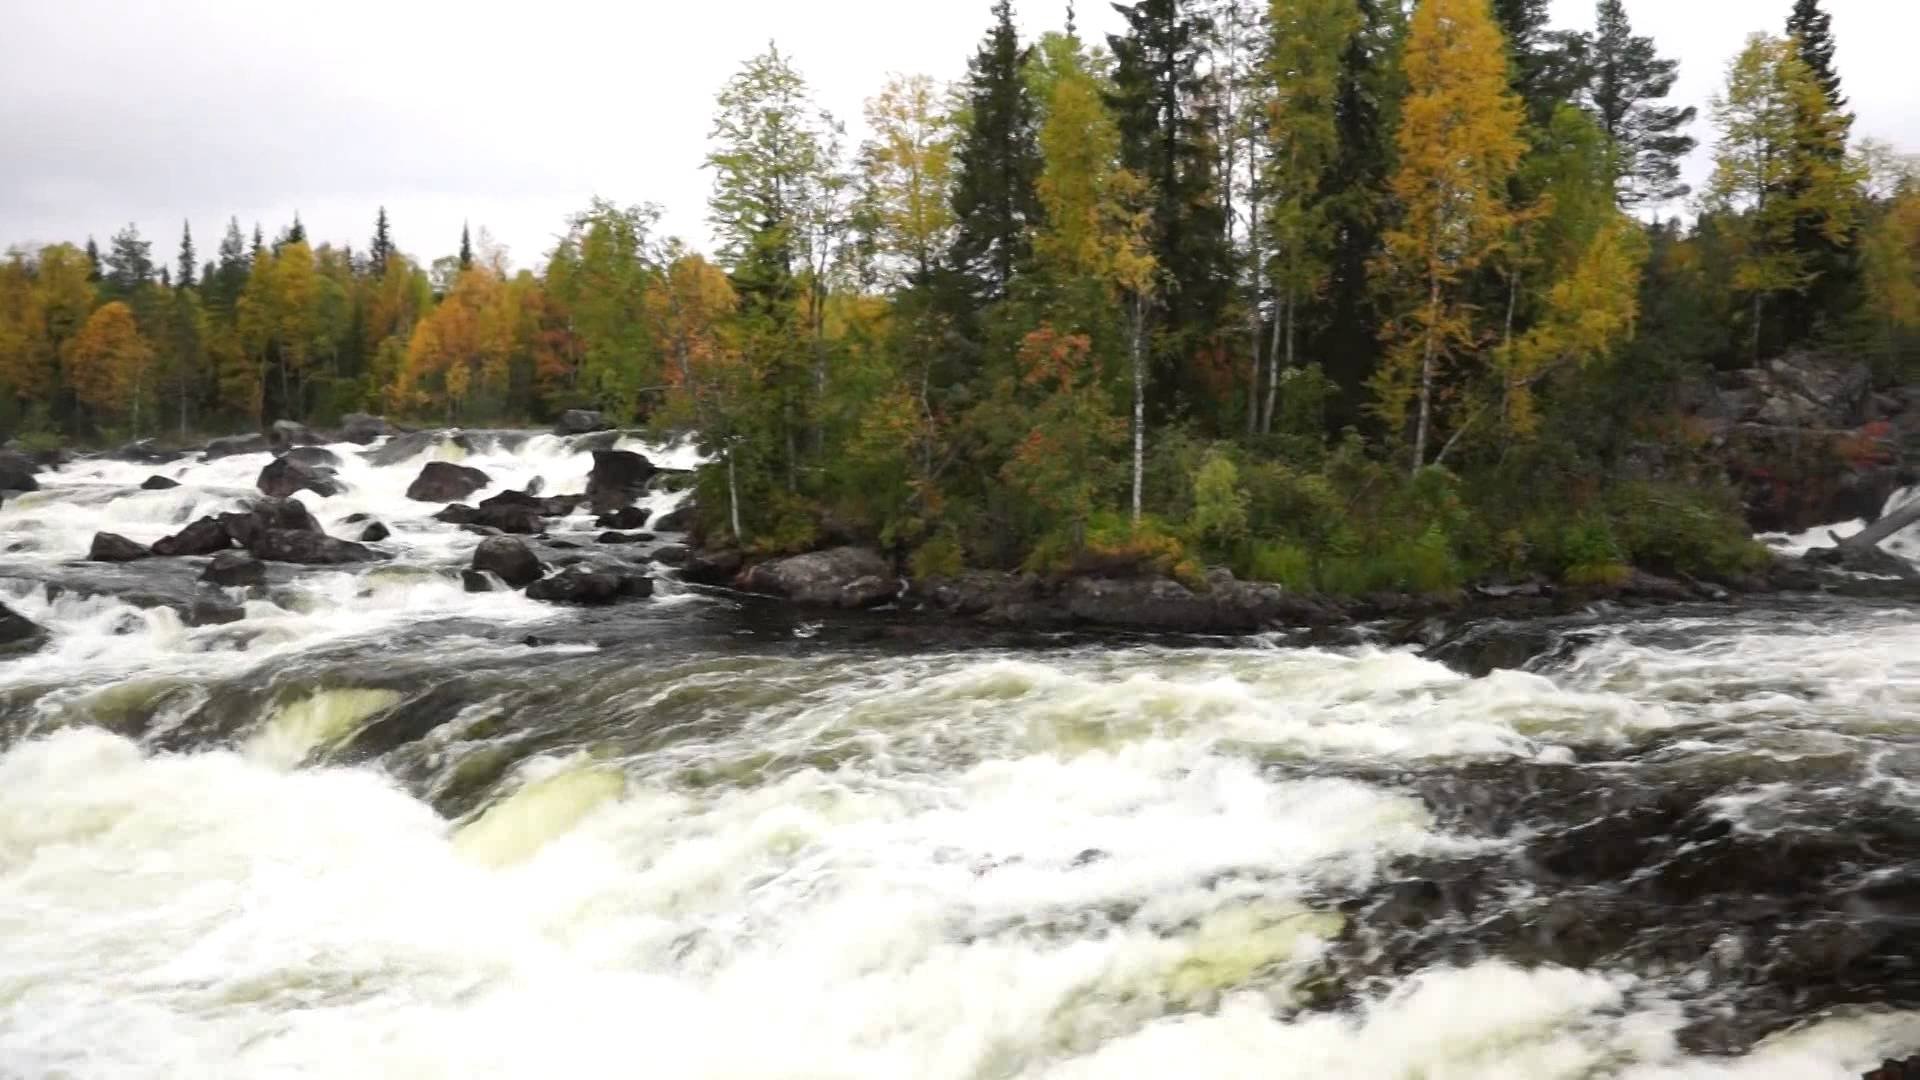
(677, 521)
(307, 548)
(17, 471)
(445, 482)
(112, 547)
(591, 585)
(618, 478)
(508, 559)
(844, 577)
(286, 434)
(20, 635)
(318, 457)
(235, 445)
(234, 569)
(412, 444)
(203, 537)
(284, 476)
(579, 422)
(363, 428)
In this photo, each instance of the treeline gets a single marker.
(1348, 293)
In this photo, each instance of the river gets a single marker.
(382, 827)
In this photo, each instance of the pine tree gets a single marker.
(382, 246)
(466, 248)
(1812, 31)
(259, 243)
(1546, 65)
(188, 263)
(996, 165)
(129, 263)
(228, 276)
(296, 233)
(93, 261)
(1822, 130)
(1626, 82)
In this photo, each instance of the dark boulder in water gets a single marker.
(318, 457)
(261, 515)
(286, 434)
(618, 478)
(363, 428)
(456, 514)
(159, 483)
(374, 533)
(508, 559)
(579, 422)
(445, 482)
(551, 506)
(17, 471)
(590, 585)
(413, 444)
(284, 476)
(235, 445)
(672, 555)
(630, 517)
(623, 538)
(1896, 1070)
(307, 548)
(478, 581)
(845, 577)
(203, 537)
(146, 452)
(679, 520)
(231, 569)
(112, 547)
(19, 635)
(510, 518)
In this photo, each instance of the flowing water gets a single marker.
(384, 828)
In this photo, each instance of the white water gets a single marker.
(1087, 864)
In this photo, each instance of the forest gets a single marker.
(1348, 295)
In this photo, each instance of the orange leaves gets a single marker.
(108, 363)
(461, 349)
(1050, 358)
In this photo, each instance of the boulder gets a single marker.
(400, 448)
(552, 506)
(158, 483)
(46, 457)
(112, 547)
(479, 581)
(445, 482)
(234, 445)
(374, 533)
(579, 422)
(263, 514)
(623, 538)
(679, 520)
(508, 559)
(456, 514)
(1890, 1069)
(509, 518)
(672, 555)
(307, 548)
(19, 635)
(718, 567)
(286, 434)
(363, 428)
(843, 577)
(231, 569)
(629, 517)
(203, 537)
(146, 452)
(283, 476)
(592, 585)
(17, 471)
(618, 478)
(318, 457)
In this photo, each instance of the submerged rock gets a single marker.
(445, 482)
(146, 452)
(845, 577)
(672, 555)
(20, 635)
(374, 533)
(283, 476)
(579, 422)
(401, 447)
(623, 538)
(679, 520)
(17, 471)
(158, 483)
(203, 537)
(590, 585)
(479, 581)
(307, 548)
(231, 569)
(112, 547)
(235, 445)
(629, 517)
(509, 559)
(618, 478)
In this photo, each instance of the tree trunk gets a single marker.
(1280, 317)
(1872, 535)
(733, 497)
(1759, 309)
(1426, 377)
(1139, 402)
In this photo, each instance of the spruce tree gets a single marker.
(129, 263)
(189, 264)
(1822, 127)
(93, 261)
(259, 243)
(227, 276)
(1626, 82)
(466, 248)
(1812, 30)
(1545, 65)
(997, 165)
(382, 247)
(297, 232)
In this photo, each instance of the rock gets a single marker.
(16, 472)
(843, 577)
(445, 482)
(400, 448)
(1875, 561)
(264, 514)
(622, 538)
(112, 547)
(1896, 1070)
(146, 452)
(713, 567)
(681, 519)
(479, 581)
(284, 476)
(286, 434)
(510, 518)
(20, 635)
(235, 445)
(213, 610)
(579, 422)
(158, 483)
(628, 517)
(591, 585)
(318, 457)
(363, 428)
(457, 514)
(232, 569)
(307, 548)
(203, 537)
(508, 559)
(374, 533)
(618, 478)
(554, 506)
(672, 555)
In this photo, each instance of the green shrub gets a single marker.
(939, 557)
(1280, 563)
(1219, 519)
(1669, 529)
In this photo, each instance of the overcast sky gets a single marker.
(512, 115)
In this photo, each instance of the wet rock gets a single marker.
(456, 514)
(317, 457)
(234, 569)
(17, 471)
(479, 581)
(146, 452)
(364, 428)
(284, 476)
(1864, 560)
(158, 483)
(203, 537)
(112, 547)
(592, 585)
(845, 577)
(374, 533)
(235, 445)
(510, 518)
(445, 482)
(713, 567)
(579, 422)
(553, 506)
(627, 517)
(509, 559)
(681, 519)
(623, 538)
(286, 434)
(1896, 1070)
(307, 548)
(672, 555)
(20, 635)
(399, 448)
(618, 478)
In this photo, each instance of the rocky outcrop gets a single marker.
(508, 559)
(286, 434)
(17, 472)
(618, 478)
(592, 585)
(235, 445)
(844, 577)
(283, 476)
(445, 482)
(364, 429)
(579, 422)
(158, 483)
(234, 569)
(618, 538)
(264, 514)
(203, 537)
(317, 457)
(630, 517)
(19, 635)
(307, 548)
(112, 547)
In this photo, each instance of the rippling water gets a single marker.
(370, 831)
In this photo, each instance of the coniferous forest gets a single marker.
(1348, 295)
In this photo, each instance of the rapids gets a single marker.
(381, 827)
